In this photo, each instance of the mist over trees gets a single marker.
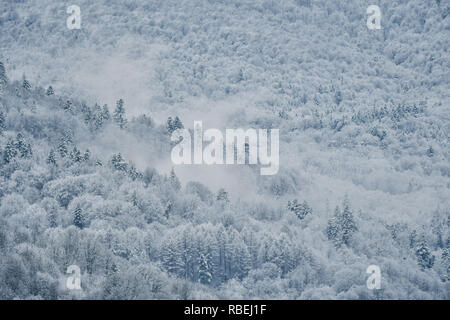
(61, 206)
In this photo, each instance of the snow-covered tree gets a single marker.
(68, 106)
(174, 181)
(75, 155)
(301, 210)
(425, 258)
(222, 195)
(78, 219)
(10, 151)
(50, 91)
(26, 84)
(23, 148)
(62, 147)
(3, 76)
(342, 225)
(118, 162)
(204, 270)
(51, 159)
(105, 113)
(2, 122)
(173, 124)
(87, 155)
(119, 114)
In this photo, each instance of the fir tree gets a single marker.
(169, 125)
(87, 155)
(78, 220)
(347, 222)
(300, 210)
(413, 239)
(173, 124)
(118, 162)
(68, 106)
(3, 76)
(25, 84)
(168, 209)
(174, 181)
(204, 270)
(51, 159)
(2, 122)
(98, 116)
(50, 91)
(10, 151)
(342, 226)
(87, 113)
(222, 196)
(333, 228)
(177, 124)
(62, 148)
(445, 261)
(105, 113)
(23, 148)
(133, 173)
(75, 155)
(119, 114)
(424, 256)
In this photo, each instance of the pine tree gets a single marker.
(133, 173)
(333, 228)
(424, 256)
(300, 210)
(68, 106)
(173, 124)
(222, 195)
(75, 155)
(62, 148)
(174, 181)
(25, 84)
(105, 113)
(87, 155)
(177, 124)
(51, 159)
(118, 162)
(2, 122)
(445, 260)
(23, 148)
(119, 114)
(413, 239)
(3, 76)
(98, 116)
(347, 222)
(204, 270)
(78, 220)
(10, 151)
(87, 113)
(168, 209)
(169, 125)
(50, 91)
(342, 226)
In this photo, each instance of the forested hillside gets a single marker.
(86, 177)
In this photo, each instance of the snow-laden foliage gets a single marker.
(85, 171)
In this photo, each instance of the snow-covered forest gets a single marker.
(86, 177)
